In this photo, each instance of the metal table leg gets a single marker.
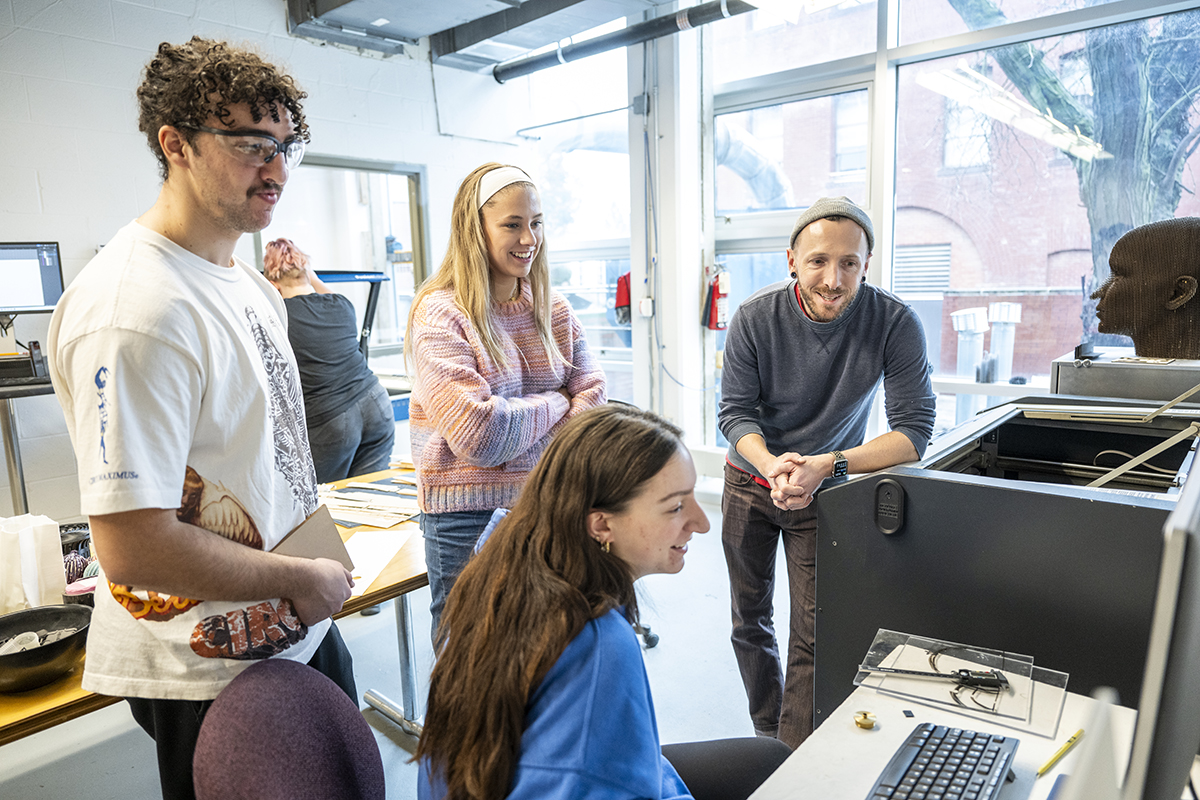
(405, 716)
(12, 457)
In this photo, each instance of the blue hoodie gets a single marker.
(590, 729)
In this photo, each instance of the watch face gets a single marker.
(840, 465)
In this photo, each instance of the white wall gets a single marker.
(74, 168)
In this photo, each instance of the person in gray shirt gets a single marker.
(802, 362)
(350, 425)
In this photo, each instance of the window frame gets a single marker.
(758, 231)
(418, 201)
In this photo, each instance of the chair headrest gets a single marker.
(281, 729)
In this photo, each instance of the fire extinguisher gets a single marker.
(716, 303)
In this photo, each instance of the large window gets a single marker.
(1017, 162)
(749, 272)
(576, 146)
(921, 20)
(789, 35)
(1073, 163)
(590, 286)
(788, 155)
(354, 218)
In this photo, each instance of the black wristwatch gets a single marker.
(840, 466)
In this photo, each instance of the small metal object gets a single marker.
(983, 679)
(864, 720)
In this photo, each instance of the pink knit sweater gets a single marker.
(477, 430)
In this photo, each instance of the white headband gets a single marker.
(497, 179)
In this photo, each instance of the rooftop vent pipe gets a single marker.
(683, 20)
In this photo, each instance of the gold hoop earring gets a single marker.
(605, 546)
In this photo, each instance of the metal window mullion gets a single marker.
(1065, 22)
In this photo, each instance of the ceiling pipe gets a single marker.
(666, 25)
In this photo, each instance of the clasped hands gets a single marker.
(793, 480)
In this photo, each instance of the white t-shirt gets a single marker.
(180, 390)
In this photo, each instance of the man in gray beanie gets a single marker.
(802, 362)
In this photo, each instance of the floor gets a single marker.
(697, 691)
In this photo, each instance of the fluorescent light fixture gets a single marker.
(966, 86)
(381, 21)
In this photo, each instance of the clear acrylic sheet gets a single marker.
(1032, 703)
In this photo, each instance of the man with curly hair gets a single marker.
(183, 401)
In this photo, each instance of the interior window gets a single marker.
(358, 220)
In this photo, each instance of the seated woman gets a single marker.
(539, 688)
(350, 423)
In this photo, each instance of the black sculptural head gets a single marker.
(1152, 294)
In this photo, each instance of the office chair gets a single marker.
(283, 731)
(644, 631)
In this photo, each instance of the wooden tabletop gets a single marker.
(24, 713)
(404, 573)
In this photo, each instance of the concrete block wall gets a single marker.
(74, 168)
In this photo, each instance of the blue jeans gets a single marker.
(751, 528)
(449, 542)
(356, 441)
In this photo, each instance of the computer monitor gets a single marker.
(1167, 735)
(30, 277)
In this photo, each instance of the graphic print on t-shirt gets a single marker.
(101, 380)
(258, 631)
(293, 458)
(206, 505)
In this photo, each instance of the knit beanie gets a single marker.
(834, 207)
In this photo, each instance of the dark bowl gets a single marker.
(20, 672)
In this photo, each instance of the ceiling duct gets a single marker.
(319, 19)
(479, 35)
(666, 25)
(481, 43)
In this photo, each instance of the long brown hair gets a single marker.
(467, 271)
(535, 584)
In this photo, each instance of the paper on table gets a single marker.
(372, 551)
(376, 509)
(353, 516)
(389, 489)
(371, 500)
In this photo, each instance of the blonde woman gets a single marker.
(500, 362)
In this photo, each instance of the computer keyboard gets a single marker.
(23, 380)
(940, 763)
